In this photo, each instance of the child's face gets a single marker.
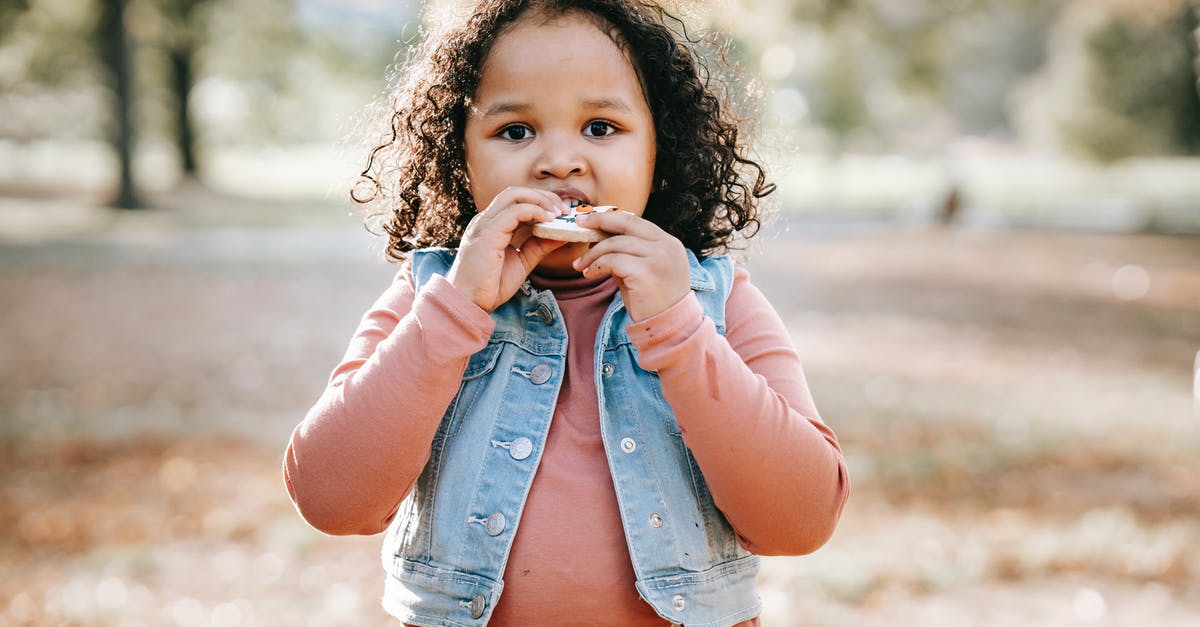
(560, 108)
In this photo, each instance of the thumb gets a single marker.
(535, 249)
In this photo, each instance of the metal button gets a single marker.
(545, 314)
(628, 445)
(477, 605)
(655, 521)
(606, 370)
(521, 448)
(495, 524)
(677, 602)
(540, 374)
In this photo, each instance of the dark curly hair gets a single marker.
(706, 188)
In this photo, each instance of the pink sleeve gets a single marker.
(773, 467)
(361, 447)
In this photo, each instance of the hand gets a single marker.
(649, 265)
(497, 251)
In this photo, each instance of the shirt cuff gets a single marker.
(660, 337)
(464, 319)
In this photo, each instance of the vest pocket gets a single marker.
(399, 539)
(482, 362)
(478, 366)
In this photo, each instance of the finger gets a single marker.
(557, 202)
(626, 244)
(619, 265)
(547, 199)
(521, 235)
(621, 223)
(535, 249)
(518, 195)
(506, 220)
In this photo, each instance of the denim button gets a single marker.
(520, 448)
(676, 602)
(655, 521)
(540, 374)
(606, 370)
(545, 314)
(495, 524)
(477, 605)
(628, 445)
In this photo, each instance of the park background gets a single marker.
(985, 244)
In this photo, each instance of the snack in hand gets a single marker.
(565, 229)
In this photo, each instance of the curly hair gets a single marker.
(706, 188)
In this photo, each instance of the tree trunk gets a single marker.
(115, 48)
(1196, 34)
(181, 88)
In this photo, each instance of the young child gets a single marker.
(567, 433)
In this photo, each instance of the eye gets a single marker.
(599, 128)
(515, 132)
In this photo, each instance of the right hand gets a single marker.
(498, 251)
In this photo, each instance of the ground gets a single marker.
(1016, 408)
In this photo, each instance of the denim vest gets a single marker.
(446, 550)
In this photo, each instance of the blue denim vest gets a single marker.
(446, 550)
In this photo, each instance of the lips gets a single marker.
(569, 194)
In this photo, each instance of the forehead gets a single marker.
(562, 49)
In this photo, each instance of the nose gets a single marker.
(560, 158)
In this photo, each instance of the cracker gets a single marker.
(565, 229)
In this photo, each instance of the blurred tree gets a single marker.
(839, 104)
(1143, 83)
(50, 72)
(838, 89)
(1196, 44)
(10, 10)
(907, 74)
(113, 39)
(200, 75)
(184, 32)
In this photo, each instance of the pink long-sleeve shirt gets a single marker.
(776, 472)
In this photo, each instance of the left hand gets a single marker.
(649, 265)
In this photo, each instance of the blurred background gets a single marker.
(985, 244)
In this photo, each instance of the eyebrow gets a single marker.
(608, 103)
(501, 108)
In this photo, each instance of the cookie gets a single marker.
(565, 229)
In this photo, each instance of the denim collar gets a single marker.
(701, 280)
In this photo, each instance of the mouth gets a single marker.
(572, 196)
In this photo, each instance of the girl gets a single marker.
(606, 433)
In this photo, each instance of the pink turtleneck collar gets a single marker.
(574, 287)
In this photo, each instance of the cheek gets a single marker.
(649, 161)
(639, 174)
(478, 177)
